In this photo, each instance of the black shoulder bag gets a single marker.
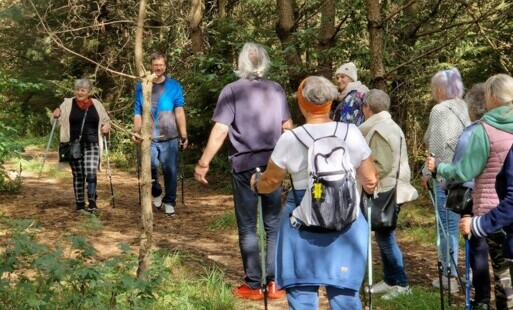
(385, 210)
(72, 150)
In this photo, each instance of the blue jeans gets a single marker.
(245, 201)
(307, 298)
(394, 272)
(165, 152)
(450, 221)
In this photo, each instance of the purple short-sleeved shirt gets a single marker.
(254, 110)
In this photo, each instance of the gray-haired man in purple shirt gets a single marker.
(252, 112)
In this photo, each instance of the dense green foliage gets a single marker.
(420, 37)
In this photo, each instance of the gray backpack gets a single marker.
(329, 203)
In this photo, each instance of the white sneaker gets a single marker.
(395, 291)
(157, 201)
(455, 287)
(381, 287)
(169, 209)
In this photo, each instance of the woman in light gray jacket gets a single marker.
(446, 122)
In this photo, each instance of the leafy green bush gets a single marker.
(69, 277)
(8, 148)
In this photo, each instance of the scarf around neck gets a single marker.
(84, 104)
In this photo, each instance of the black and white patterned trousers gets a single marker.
(84, 170)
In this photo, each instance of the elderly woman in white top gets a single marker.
(388, 145)
(447, 120)
(305, 259)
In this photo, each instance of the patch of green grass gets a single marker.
(225, 221)
(419, 299)
(49, 171)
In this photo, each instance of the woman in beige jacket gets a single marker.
(85, 119)
(388, 145)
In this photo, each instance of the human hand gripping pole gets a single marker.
(260, 221)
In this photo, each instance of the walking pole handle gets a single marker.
(258, 174)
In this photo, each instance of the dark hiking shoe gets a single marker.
(80, 206)
(92, 207)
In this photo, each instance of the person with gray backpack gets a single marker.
(328, 246)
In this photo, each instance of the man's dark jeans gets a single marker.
(246, 213)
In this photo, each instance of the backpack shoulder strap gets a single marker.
(297, 137)
(347, 130)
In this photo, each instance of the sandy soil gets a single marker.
(50, 202)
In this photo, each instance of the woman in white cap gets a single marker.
(348, 107)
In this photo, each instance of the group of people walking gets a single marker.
(466, 144)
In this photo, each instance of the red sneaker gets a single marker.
(246, 292)
(273, 292)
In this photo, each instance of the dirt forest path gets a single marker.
(50, 202)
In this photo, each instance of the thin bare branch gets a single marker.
(59, 43)
(98, 25)
(437, 48)
(399, 10)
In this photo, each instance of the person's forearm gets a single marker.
(368, 175)
(181, 122)
(271, 179)
(137, 123)
(215, 141)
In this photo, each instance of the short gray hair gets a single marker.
(253, 61)
(83, 83)
(500, 85)
(475, 99)
(318, 89)
(377, 100)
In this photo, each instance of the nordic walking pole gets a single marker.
(369, 259)
(182, 165)
(449, 256)
(467, 270)
(260, 220)
(445, 233)
(109, 172)
(47, 147)
(432, 196)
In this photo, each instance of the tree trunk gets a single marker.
(284, 29)
(195, 18)
(146, 210)
(375, 28)
(326, 38)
